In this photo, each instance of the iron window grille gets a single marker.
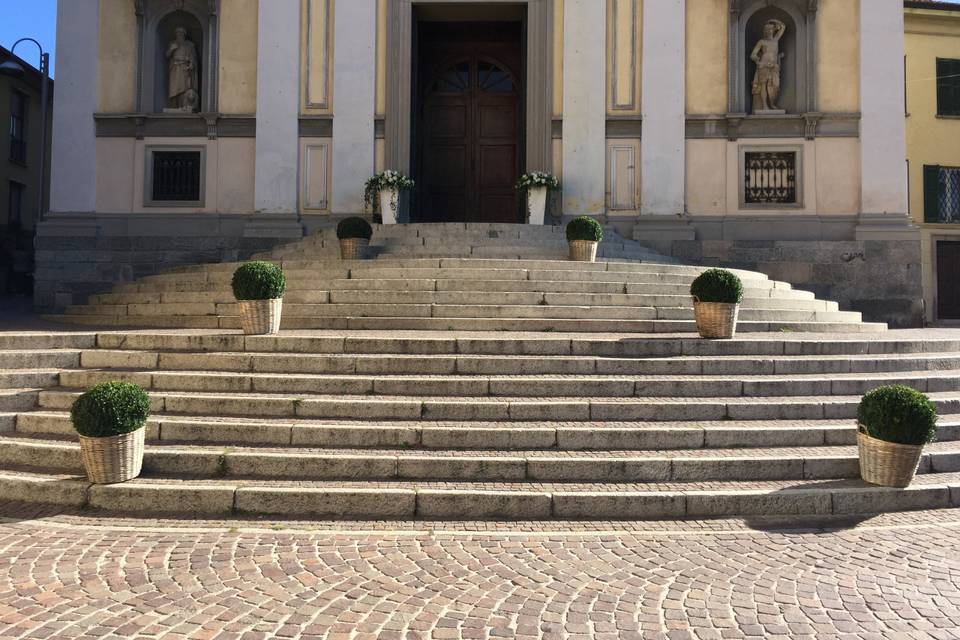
(948, 87)
(770, 177)
(176, 176)
(941, 194)
(18, 127)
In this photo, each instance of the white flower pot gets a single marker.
(536, 204)
(389, 202)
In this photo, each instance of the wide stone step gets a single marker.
(546, 385)
(38, 341)
(12, 400)
(450, 364)
(804, 463)
(485, 408)
(517, 436)
(483, 500)
(27, 378)
(39, 359)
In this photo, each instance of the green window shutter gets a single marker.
(931, 192)
(948, 87)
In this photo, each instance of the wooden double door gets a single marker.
(469, 139)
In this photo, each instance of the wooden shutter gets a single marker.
(931, 193)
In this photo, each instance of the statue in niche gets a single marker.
(182, 94)
(766, 81)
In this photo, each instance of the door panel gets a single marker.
(948, 280)
(469, 122)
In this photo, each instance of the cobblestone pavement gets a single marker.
(79, 576)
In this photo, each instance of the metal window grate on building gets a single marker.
(176, 176)
(18, 127)
(770, 177)
(941, 186)
(948, 87)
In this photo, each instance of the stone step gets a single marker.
(485, 408)
(39, 359)
(521, 344)
(463, 324)
(12, 400)
(29, 378)
(208, 462)
(395, 364)
(517, 436)
(544, 385)
(478, 501)
(36, 340)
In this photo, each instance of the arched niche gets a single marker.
(798, 69)
(157, 21)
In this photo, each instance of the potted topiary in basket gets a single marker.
(536, 184)
(110, 420)
(384, 189)
(259, 288)
(716, 303)
(583, 234)
(354, 235)
(894, 423)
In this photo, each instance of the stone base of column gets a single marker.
(886, 226)
(661, 232)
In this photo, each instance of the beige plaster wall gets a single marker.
(117, 67)
(830, 179)
(706, 51)
(238, 56)
(838, 55)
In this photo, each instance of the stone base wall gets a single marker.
(880, 278)
(78, 255)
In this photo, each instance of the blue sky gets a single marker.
(29, 18)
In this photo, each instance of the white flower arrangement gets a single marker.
(386, 180)
(536, 179)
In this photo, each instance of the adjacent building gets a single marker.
(933, 149)
(767, 134)
(20, 169)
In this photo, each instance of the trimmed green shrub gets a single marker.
(259, 281)
(354, 227)
(717, 285)
(110, 409)
(898, 414)
(584, 228)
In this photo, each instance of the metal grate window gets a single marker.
(941, 194)
(770, 177)
(18, 127)
(948, 87)
(176, 176)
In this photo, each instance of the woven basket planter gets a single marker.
(260, 317)
(583, 251)
(353, 248)
(716, 320)
(113, 459)
(887, 464)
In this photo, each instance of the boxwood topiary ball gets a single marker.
(584, 228)
(898, 414)
(110, 409)
(259, 281)
(354, 227)
(717, 285)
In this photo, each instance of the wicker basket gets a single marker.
(353, 248)
(887, 464)
(583, 251)
(260, 317)
(113, 459)
(716, 319)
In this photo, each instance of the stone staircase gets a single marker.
(455, 380)
(433, 425)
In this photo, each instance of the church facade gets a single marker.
(766, 134)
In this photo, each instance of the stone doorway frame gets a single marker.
(539, 81)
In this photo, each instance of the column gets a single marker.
(883, 148)
(354, 102)
(278, 107)
(73, 177)
(662, 154)
(584, 107)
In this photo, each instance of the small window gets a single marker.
(493, 78)
(15, 204)
(18, 127)
(941, 194)
(175, 177)
(770, 178)
(948, 87)
(455, 79)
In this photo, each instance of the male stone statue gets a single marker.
(183, 91)
(766, 81)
